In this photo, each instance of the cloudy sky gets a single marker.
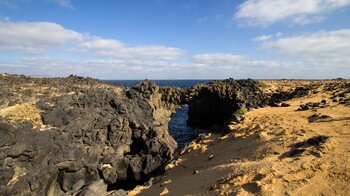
(176, 39)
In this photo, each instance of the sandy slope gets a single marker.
(274, 151)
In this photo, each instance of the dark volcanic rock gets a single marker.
(101, 136)
(285, 96)
(312, 105)
(318, 117)
(285, 104)
(6, 175)
(217, 102)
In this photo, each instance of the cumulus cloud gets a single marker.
(229, 65)
(115, 48)
(101, 46)
(150, 51)
(226, 59)
(301, 12)
(324, 53)
(34, 37)
(218, 59)
(322, 44)
(101, 68)
(209, 66)
(41, 37)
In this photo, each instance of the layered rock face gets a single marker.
(91, 132)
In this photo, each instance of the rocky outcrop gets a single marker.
(340, 91)
(284, 96)
(93, 133)
(221, 101)
(215, 104)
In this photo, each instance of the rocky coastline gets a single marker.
(80, 136)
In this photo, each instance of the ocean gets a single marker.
(177, 83)
(177, 127)
(179, 130)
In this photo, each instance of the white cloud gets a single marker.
(265, 12)
(150, 51)
(65, 3)
(98, 44)
(325, 53)
(115, 48)
(41, 37)
(262, 38)
(209, 66)
(98, 68)
(305, 19)
(34, 37)
(226, 59)
(325, 44)
(218, 59)
(228, 65)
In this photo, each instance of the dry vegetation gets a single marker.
(22, 113)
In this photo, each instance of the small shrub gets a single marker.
(241, 111)
(263, 85)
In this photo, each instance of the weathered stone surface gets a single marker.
(285, 96)
(6, 175)
(98, 131)
(217, 102)
(94, 188)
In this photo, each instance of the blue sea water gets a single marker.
(177, 83)
(178, 128)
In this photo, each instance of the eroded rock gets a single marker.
(97, 133)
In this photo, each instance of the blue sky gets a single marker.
(176, 39)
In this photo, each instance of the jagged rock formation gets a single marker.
(218, 102)
(215, 103)
(284, 96)
(93, 131)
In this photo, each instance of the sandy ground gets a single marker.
(274, 151)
